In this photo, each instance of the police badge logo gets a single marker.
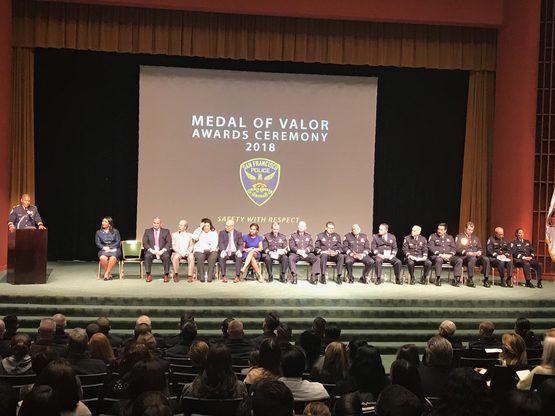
(260, 179)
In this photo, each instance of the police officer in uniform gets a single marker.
(301, 247)
(274, 247)
(25, 215)
(328, 246)
(442, 250)
(384, 248)
(523, 255)
(415, 248)
(499, 252)
(469, 248)
(357, 249)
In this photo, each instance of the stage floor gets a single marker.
(79, 279)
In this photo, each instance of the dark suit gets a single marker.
(485, 342)
(223, 241)
(239, 348)
(84, 365)
(164, 242)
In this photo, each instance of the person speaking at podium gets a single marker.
(25, 215)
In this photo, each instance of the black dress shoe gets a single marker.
(529, 284)
(412, 281)
(486, 283)
(509, 284)
(539, 285)
(270, 279)
(503, 284)
(351, 279)
(398, 282)
(339, 280)
(470, 283)
(423, 281)
(323, 279)
(457, 283)
(438, 282)
(282, 279)
(378, 280)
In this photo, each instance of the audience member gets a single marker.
(486, 339)
(335, 365)
(353, 347)
(151, 403)
(447, 330)
(4, 343)
(150, 341)
(269, 360)
(172, 340)
(513, 351)
(66, 391)
(349, 405)
(396, 400)
(197, 353)
(409, 352)
(311, 344)
(92, 329)
(521, 403)
(60, 337)
(548, 361)
(11, 323)
(523, 328)
(45, 338)
(465, 394)
(104, 326)
(19, 362)
(437, 363)
(319, 326)
(405, 374)
(269, 326)
(292, 367)
(271, 397)
(284, 334)
(224, 328)
(367, 375)
(39, 401)
(188, 334)
(77, 357)
(332, 333)
(238, 346)
(101, 349)
(316, 409)
(217, 380)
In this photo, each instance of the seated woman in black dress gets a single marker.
(108, 241)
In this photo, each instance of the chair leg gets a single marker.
(98, 273)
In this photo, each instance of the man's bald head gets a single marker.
(144, 319)
(47, 328)
(447, 329)
(60, 320)
(235, 329)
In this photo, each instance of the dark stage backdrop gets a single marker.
(86, 121)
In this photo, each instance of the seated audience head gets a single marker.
(332, 333)
(100, 348)
(235, 329)
(486, 329)
(254, 358)
(316, 409)
(348, 405)
(144, 319)
(61, 322)
(132, 353)
(521, 403)
(188, 332)
(447, 329)
(151, 403)
(396, 400)
(11, 324)
(104, 324)
(141, 329)
(271, 397)
(217, 380)
(47, 329)
(20, 345)
(271, 322)
(293, 362)
(405, 374)
(149, 340)
(368, 371)
(92, 329)
(513, 351)
(284, 334)
(147, 375)
(522, 326)
(270, 356)
(409, 352)
(42, 358)
(319, 326)
(197, 353)
(311, 343)
(78, 341)
(548, 356)
(185, 317)
(336, 360)
(225, 326)
(62, 378)
(353, 347)
(439, 352)
(40, 400)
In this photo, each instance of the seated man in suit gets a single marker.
(486, 339)
(182, 246)
(238, 346)
(230, 244)
(469, 249)
(157, 243)
(77, 354)
(384, 247)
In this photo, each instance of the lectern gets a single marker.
(27, 256)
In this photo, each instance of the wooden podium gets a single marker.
(27, 256)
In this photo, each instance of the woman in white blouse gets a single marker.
(205, 248)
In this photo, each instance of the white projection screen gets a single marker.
(255, 147)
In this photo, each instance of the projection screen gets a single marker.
(255, 147)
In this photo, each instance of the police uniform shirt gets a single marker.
(522, 248)
(441, 245)
(467, 243)
(301, 242)
(325, 242)
(274, 242)
(415, 246)
(22, 217)
(382, 243)
(497, 246)
(358, 244)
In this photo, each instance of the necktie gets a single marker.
(156, 239)
(230, 243)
